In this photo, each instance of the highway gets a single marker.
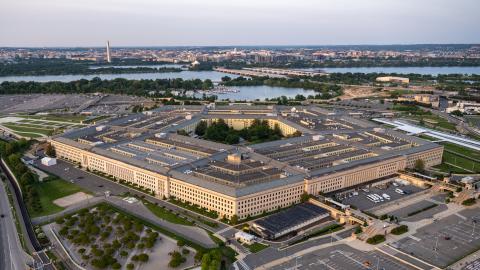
(12, 255)
(39, 256)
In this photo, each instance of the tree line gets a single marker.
(115, 86)
(37, 67)
(11, 152)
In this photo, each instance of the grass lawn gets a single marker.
(462, 150)
(166, 215)
(255, 247)
(447, 168)
(36, 126)
(28, 129)
(96, 119)
(50, 191)
(436, 122)
(426, 137)
(53, 117)
(26, 134)
(461, 162)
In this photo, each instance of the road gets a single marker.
(32, 244)
(12, 255)
(98, 186)
(273, 253)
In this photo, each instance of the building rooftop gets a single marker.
(149, 140)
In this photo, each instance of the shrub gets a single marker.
(143, 257)
(469, 202)
(176, 259)
(400, 230)
(376, 239)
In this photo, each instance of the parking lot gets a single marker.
(362, 202)
(435, 204)
(473, 265)
(445, 241)
(343, 257)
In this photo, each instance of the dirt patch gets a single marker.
(352, 92)
(72, 199)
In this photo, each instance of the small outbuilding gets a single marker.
(48, 161)
(245, 237)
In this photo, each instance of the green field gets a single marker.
(62, 118)
(50, 191)
(31, 135)
(96, 119)
(24, 129)
(255, 247)
(462, 150)
(441, 123)
(473, 120)
(450, 169)
(166, 215)
(469, 166)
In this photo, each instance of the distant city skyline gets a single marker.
(90, 23)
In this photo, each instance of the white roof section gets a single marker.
(413, 129)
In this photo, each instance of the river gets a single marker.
(246, 92)
(262, 92)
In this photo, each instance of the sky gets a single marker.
(86, 23)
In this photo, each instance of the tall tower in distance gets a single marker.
(109, 57)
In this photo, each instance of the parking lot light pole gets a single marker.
(474, 223)
(331, 237)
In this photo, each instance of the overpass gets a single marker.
(349, 215)
(247, 73)
(287, 72)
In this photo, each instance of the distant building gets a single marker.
(393, 79)
(465, 107)
(422, 98)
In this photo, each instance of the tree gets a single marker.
(201, 128)
(420, 165)
(180, 243)
(143, 257)
(130, 266)
(27, 179)
(300, 97)
(457, 113)
(176, 259)
(234, 220)
(50, 151)
(304, 198)
(232, 139)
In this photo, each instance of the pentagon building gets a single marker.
(333, 153)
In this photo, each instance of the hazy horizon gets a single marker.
(212, 23)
